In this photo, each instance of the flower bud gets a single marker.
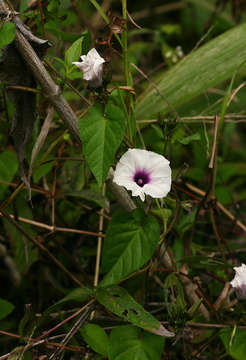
(239, 281)
(92, 67)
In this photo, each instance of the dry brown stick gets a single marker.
(41, 247)
(33, 188)
(63, 347)
(209, 119)
(213, 151)
(99, 248)
(53, 192)
(54, 228)
(235, 92)
(46, 333)
(217, 234)
(41, 139)
(190, 291)
(223, 295)
(220, 206)
(22, 88)
(41, 17)
(99, 244)
(78, 324)
(48, 86)
(66, 81)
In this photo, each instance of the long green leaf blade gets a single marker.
(208, 66)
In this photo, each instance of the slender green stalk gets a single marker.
(128, 79)
(100, 10)
(104, 16)
(163, 219)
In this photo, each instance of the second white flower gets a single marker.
(92, 67)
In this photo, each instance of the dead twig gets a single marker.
(219, 205)
(41, 247)
(41, 75)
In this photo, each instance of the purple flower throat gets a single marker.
(141, 177)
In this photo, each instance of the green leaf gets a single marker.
(131, 343)
(204, 262)
(52, 5)
(78, 295)
(130, 241)
(23, 5)
(207, 66)
(89, 194)
(188, 139)
(7, 34)
(42, 170)
(28, 322)
(102, 132)
(25, 254)
(96, 337)
(234, 342)
(6, 308)
(73, 52)
(119, 302)
(174, 298)
(20, 353)
(86, 43)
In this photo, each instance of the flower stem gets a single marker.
(104, 16)
(163, 219)
(128, 78)
(99, 243)
(124, 43)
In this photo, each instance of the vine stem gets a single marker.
(99, 247)
(99, 242)
(220, 206)
(124, 42)
(41, 247)
(105, 17)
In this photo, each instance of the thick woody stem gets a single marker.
(50, 89)
(120, 193)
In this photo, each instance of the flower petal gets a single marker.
(239, 281)
(98, 68)
(159, 190)
(135, 159)
(154, 166)
(92, 67)
(93, 55)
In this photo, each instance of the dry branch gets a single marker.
(50, 89)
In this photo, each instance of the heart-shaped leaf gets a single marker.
(102, 131)
(131, 239)
(131, 343)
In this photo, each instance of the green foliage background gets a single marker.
(81, 275)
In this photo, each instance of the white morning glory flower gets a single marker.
(92, 67)
(144, 172)
(239, 281)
